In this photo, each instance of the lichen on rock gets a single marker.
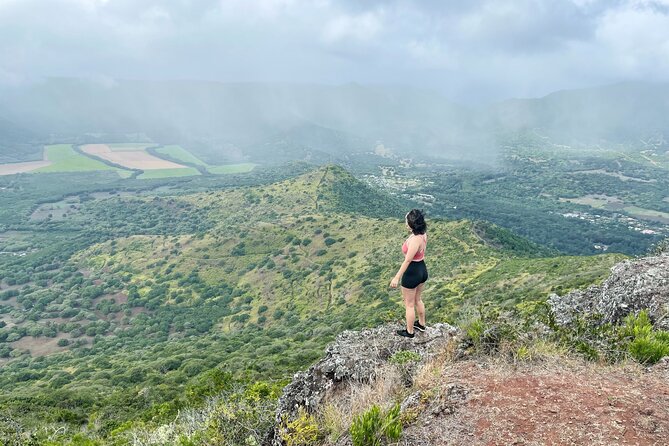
(354, 356)
(634, 285)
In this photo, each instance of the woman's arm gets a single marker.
(412, 248)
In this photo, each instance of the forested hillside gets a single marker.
(167, 297)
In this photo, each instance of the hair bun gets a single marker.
(416, 221)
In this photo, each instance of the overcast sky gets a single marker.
(470, 50)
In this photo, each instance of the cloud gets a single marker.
(361, 27)
(475, 50)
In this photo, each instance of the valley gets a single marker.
(142, 160)
(162, 285)
(539, 191)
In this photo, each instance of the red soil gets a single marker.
(582, 404)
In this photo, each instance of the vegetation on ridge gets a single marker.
(251, 281)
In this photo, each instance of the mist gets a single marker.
(238, 79)
(474, 53)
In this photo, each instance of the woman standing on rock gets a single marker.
(413, 273)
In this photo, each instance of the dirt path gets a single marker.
(577, 404)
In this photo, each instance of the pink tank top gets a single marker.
(420, 254)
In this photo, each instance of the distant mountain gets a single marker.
(246, 118)
(622, 113)
(278, 122)
(17, 143)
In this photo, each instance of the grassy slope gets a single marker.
(258, 227)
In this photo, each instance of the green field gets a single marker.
(647, 214)
(65, 159)
(167, 173)
(181, 154)
(178, 153)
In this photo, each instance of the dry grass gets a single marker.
(533, 395)
(352, 400)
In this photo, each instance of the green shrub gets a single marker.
(648, 350)
(637, 326)
(373, 428)
(302, 431)
(403, 357)
(646, 345)
(475, 331)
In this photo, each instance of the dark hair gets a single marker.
(416, 221)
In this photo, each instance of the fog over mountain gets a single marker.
(254, 120)
(477, 51)
(234, 79)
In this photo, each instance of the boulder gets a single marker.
(634, 285)
(354, 356)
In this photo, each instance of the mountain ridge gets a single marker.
(286, 121)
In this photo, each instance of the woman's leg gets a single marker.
(420, 308)
(409, 295)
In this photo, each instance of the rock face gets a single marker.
(354, 356)
(633, 285)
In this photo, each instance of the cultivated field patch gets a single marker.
(618, 175)
(63, 158)
(616, 204)
(56, 211)
(131, 158)
(647, 214)
(29, 166)
(598, 201)
(180, 154)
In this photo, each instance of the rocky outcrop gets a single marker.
(354, 356)
(633, 285)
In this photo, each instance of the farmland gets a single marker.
(63, 158)
(130, 157)
(13, 168)
(578, 201)
(178, 153)
(142, 160)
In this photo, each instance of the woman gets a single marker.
(413, 273)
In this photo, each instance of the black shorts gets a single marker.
(415, 274)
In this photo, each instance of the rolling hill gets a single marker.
(251, 281)
(628, 113)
